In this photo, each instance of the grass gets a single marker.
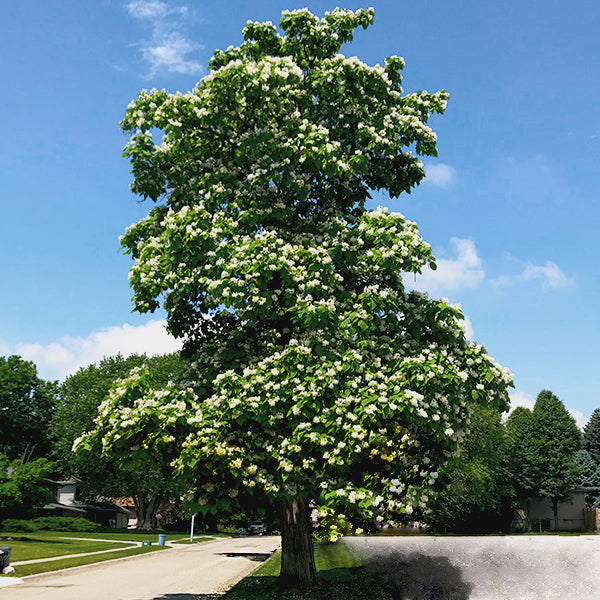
(32, 547)
(48, 544)
(65, 563)
(340, 577)
(124, 536)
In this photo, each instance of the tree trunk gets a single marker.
(211, 523)
(555, 510)
(146, 507)
(298, 568)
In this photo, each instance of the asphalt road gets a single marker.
(185, 572)
(484, 568)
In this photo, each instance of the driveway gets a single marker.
(185, 572)
(484, 568)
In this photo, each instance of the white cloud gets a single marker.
(579, 417)
(168, 49)
(154, 10)
(146, 9)
(550, 275)
(169, 55)
(440, 174)
(521, 399)
(467, 327)
(59, 359)
(464, 271)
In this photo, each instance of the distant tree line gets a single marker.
(40, 420)
(537, 453)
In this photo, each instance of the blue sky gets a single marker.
(510, 206)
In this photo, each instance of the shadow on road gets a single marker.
(189, 597)
(256, 556)
(419, 577)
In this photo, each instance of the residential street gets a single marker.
(486, 567)
(185, 572)
(416, 568)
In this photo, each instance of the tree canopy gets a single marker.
(522, 462)
(544, 444)
(23, 487)
(80, 396)
(591, 436)
(26, 406)
(317, 377)
(477, 492)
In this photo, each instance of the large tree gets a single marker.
(23, 487)
(544, 444)
(80, 395)
(557, 439)
(319, 378)
(26, 406)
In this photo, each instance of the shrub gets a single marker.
(17, 525)
(65, 524)
(50, 524)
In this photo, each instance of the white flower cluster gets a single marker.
(319, 375)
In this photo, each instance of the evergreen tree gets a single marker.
(556, 439)
(521, 457)
(542, 448)
(589, 478)
(591, 436)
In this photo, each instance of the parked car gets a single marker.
(256, 528)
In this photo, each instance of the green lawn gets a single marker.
(125, 536)
(33, 546)
(340, 578)
(48, 544)
(64, 563)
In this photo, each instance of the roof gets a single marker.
(72, 507)
(69, 481)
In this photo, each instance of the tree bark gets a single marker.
(146, 507)
(298, 568)
(555, 510)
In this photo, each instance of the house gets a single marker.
(165, 515)
(536, 514)
(104, 512)
(127, 503)
(65, 505)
